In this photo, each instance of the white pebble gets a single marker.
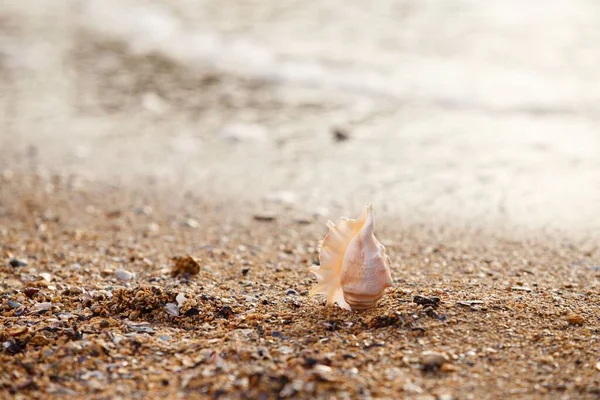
(47, 277)
(123, 274)
(191, 223)
(43, 306)
(180, 299)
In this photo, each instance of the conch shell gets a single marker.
(354, 270)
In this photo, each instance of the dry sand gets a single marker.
(135, 132)
(515, 317)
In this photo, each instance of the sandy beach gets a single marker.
(167, 170)
(88, 315)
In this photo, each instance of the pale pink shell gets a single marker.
(354, 269)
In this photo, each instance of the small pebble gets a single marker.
(172, 309)
(191, 312)
(72, 291)
(575, 319)
(225, 312)
(311, 362)
(291, 389)
(598, 365)
(323, 372)
(245, 271)
(322, 368)
(154, 103)
(469, 303)
(185, 265)
(123, 274)
(521, 288)
(291, 292)
(431, 360)
(412, 388)
(153, 227)
(340, 134)
(43, 306)
(142, 327)
(113, 214)
(17, 331)
(46, 276)
(265, 216)
(447, 367)
(303, 220)
(191, 223)
(180, 299)
(426, 301)
(146, 210)
(17, 263)
(14, 304)
(31, 291)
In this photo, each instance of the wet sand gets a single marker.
(482, 114)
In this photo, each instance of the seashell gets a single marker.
(354, 269)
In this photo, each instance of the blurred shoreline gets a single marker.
(477, 114)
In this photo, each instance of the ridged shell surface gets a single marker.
(354, 269)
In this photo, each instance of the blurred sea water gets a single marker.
(478, 112)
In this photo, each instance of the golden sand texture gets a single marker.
(89, 307)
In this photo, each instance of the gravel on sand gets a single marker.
(457, 324)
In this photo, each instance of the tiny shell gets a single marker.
(172, 309)
(354, 269)
(180, 299)
(43, 306)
